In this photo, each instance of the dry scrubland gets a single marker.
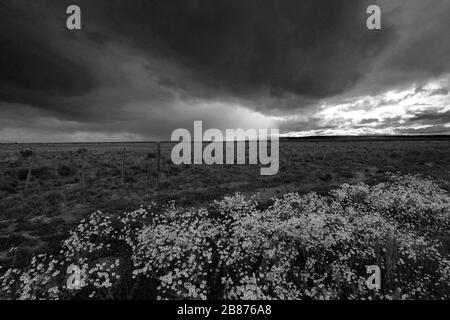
(300, 245)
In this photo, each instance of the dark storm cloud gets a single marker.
(422, 49)
(440, 91)
(145, 66)
(31, 67)
(370, 120)
(313, 49)
(430, 121)
(246, 47)
(437, 129)
(431, 117)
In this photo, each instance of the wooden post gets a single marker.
(28, 155)
(193, 157)
(82, 170)
(158, 156)
(290, 155)
(30, 168)
(151, 169)
(123, 166)
(83, 177)
(71, 159)
(82, 152)
(55, 167)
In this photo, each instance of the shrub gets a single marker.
(66, 171)
(299, 247)
(43, 172)
(8, 187)
(22, 173)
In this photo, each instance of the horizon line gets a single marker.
(379, 136)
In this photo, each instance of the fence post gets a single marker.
(30, 168)
(83, 177)
(82, 152)
(158, 156)
(123, 166)
(193, 156)
(28, 155)
(290, 155)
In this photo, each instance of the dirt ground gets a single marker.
(69, 181)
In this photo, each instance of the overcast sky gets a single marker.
(140, 69)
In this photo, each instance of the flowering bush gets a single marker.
(412, 201)
(301, 247)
